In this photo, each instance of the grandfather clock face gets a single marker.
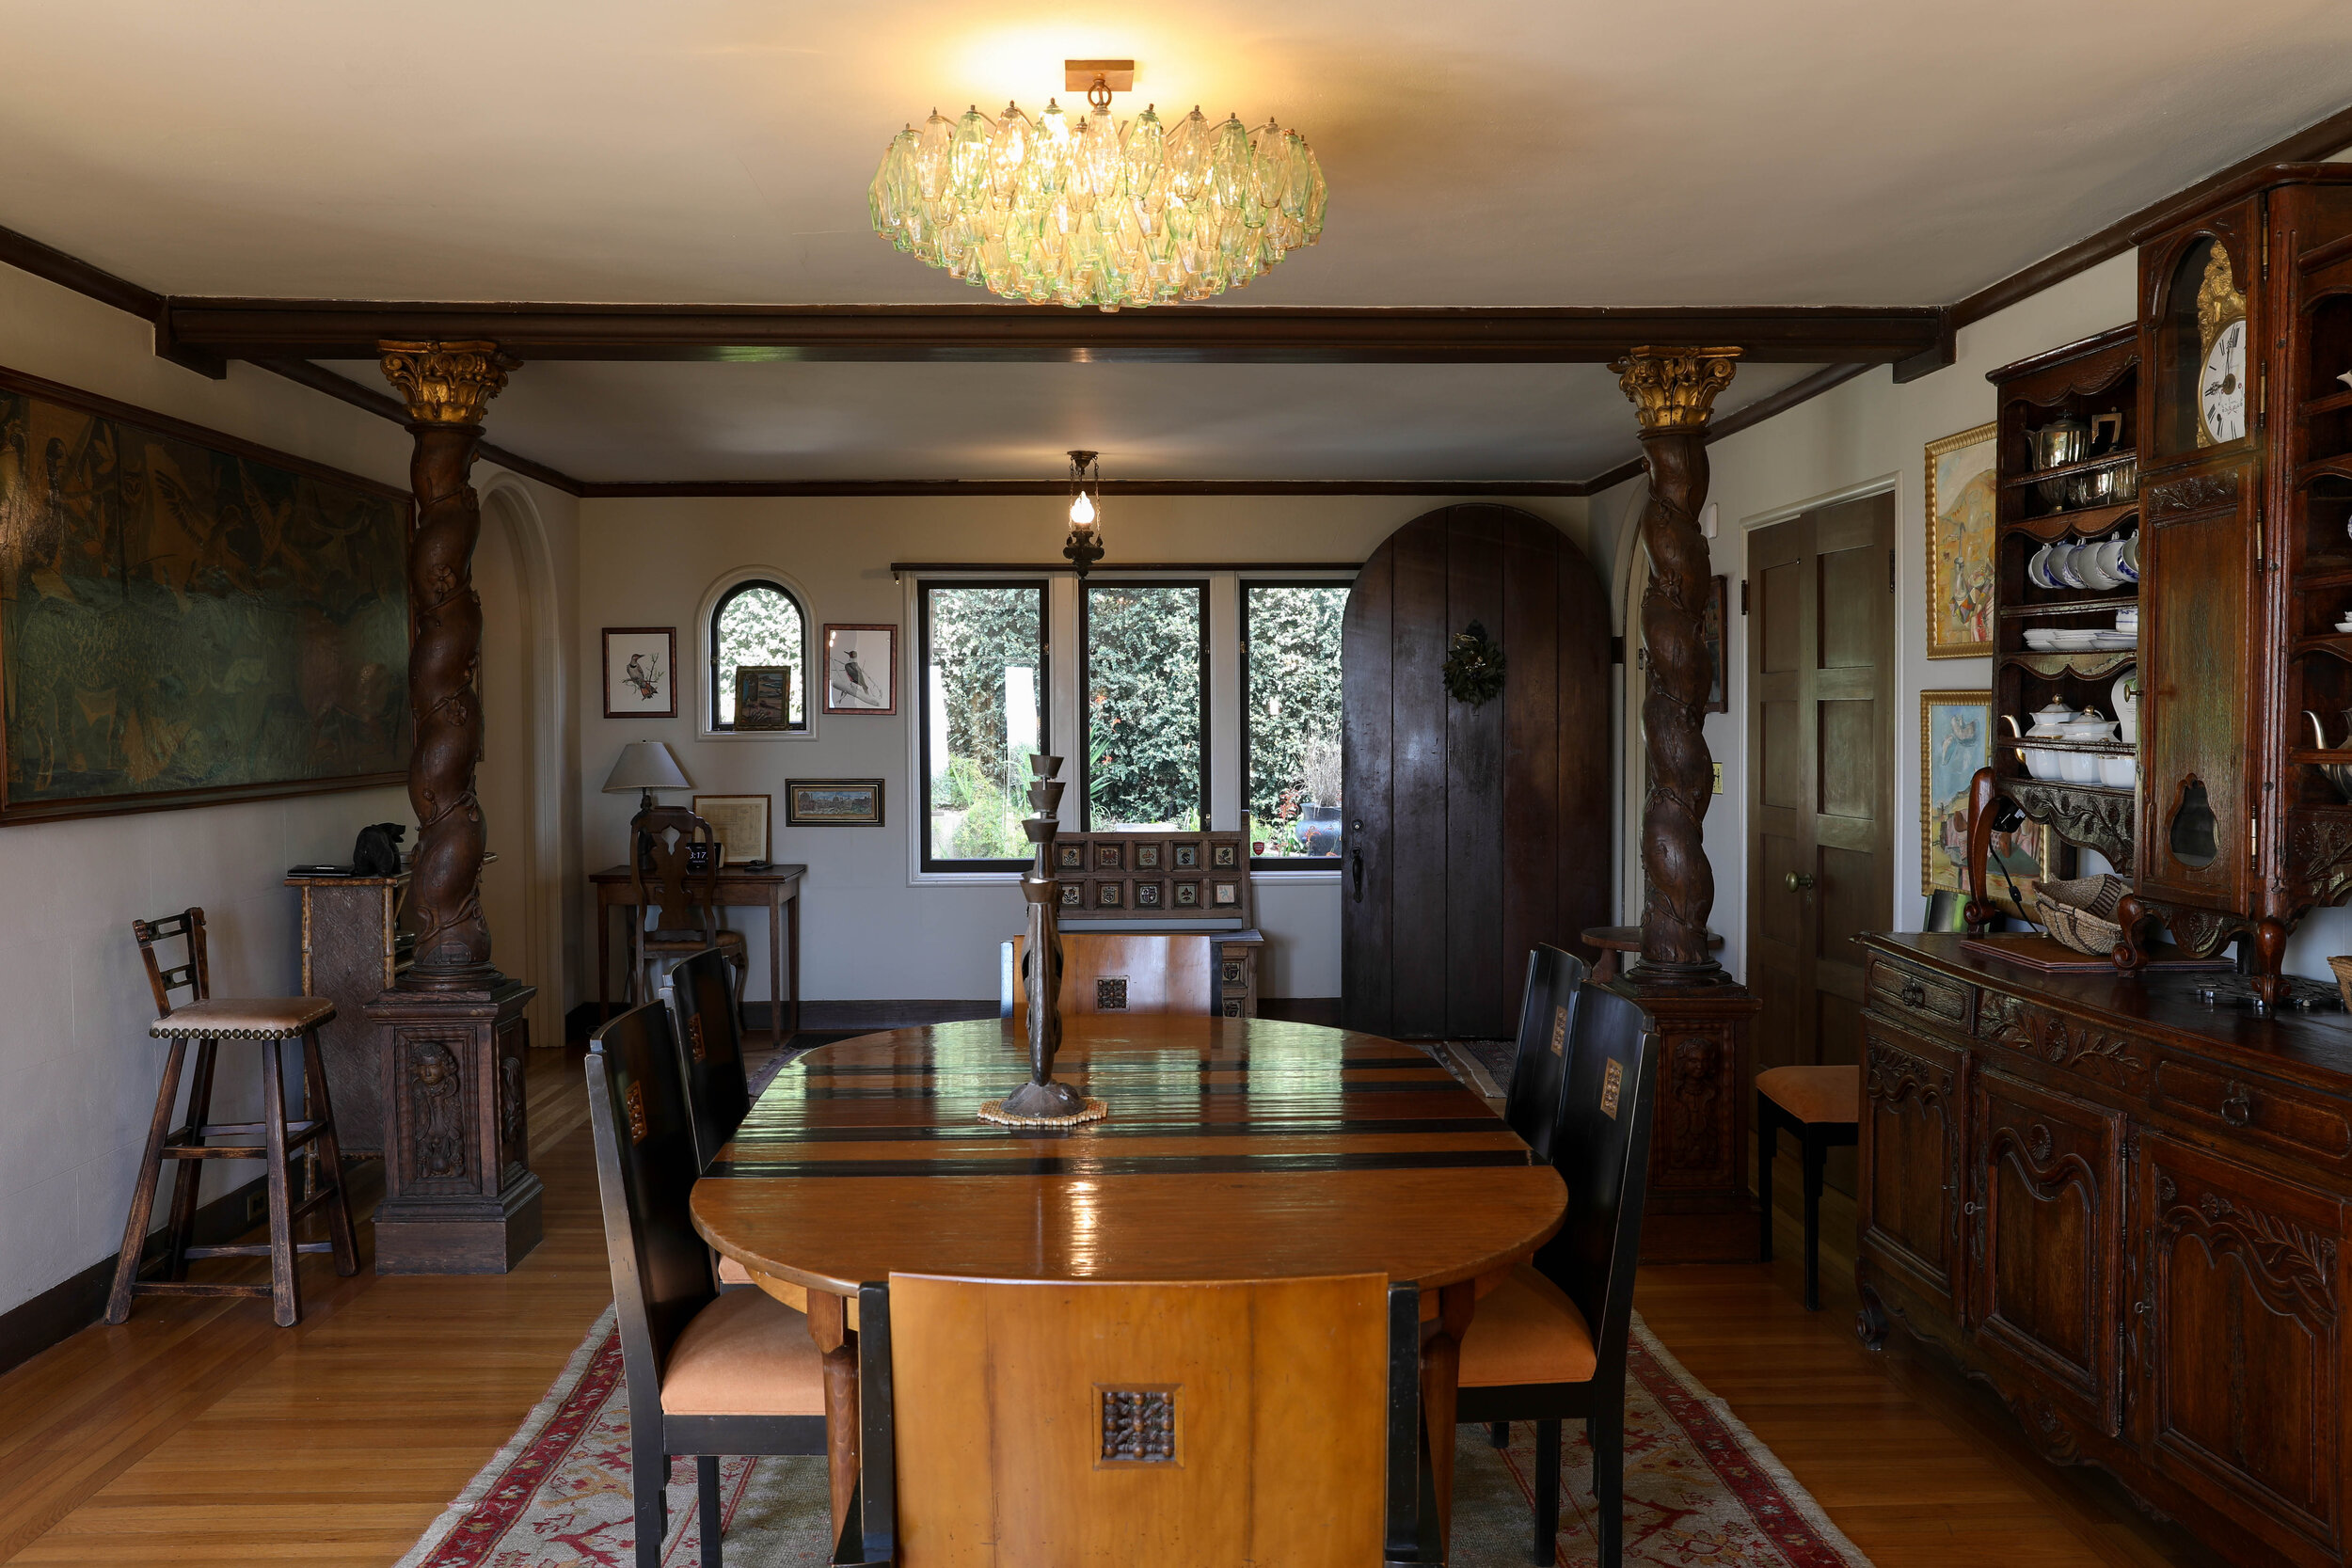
(2221, 389)
(2221, 351)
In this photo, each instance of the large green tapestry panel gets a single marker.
(185, 618)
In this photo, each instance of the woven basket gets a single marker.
(2077, 911)
(2080, 929)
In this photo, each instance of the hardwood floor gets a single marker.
(200, 1433)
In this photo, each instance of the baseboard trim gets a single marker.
(73, 1303)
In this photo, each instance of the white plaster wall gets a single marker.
(1865, 432)
(865, 932)
(79, 1071)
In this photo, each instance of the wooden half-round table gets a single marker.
(1235, 1148)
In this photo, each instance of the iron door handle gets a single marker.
(1797, 881)
(1356, 872)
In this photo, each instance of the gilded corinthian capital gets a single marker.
(446, 383)
(1674, 388)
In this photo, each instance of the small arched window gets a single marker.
(760, 656)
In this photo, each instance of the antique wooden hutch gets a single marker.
(2122, 1196)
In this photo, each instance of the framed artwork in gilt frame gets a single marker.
(188, 619)
(1960, 543)
(1955, 736)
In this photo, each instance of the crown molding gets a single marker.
(972, 488)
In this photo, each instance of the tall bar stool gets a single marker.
(1822, 1106)
(266, 1021)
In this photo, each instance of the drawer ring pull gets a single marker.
(1915, 994)
(2237, 1105)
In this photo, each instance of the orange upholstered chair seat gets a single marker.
(1814, 1094)
(746, 1353)
(1527, 1330)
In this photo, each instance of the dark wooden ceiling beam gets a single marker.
(343, 329)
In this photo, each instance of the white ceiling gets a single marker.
(1482, 152)
(615, 422)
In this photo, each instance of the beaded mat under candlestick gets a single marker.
(1700, 1491)
(994, 1110)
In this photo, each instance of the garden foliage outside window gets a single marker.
(983, 715)
(1146, 702)
(1291, 677)
(758, 625)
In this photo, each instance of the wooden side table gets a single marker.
(776, 889)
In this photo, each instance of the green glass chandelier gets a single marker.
(1101, 212)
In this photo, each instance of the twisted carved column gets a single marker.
(447, 386)
(1673, 391)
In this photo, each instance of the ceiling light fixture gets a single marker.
(1085, 545)
(1101, 212)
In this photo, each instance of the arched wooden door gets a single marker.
(1472, 833)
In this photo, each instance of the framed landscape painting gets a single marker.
(186, 618)
(1960, 543)
(1955, 731)
(833, 802)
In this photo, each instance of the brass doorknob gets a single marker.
(1797, 881)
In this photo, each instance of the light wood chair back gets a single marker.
(684, 902)
(1602, 1150)
(193, 973)
(711, 1051)
(645, 1170)
(1124, 972)
(1547, 1029)
(1053, 1423)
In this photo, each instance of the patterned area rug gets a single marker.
(1701, 1492)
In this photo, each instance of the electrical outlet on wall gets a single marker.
(257, 1196)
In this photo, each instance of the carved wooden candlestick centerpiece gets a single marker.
(1041, 1102)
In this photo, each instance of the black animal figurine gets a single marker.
(378, 852)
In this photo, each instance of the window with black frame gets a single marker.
(984, 681)
(760, 656)
(1145, 703)
(1291, 723)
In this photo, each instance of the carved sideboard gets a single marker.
(2125, 1210)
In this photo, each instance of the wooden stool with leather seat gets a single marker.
(1822, 1106)
(269, 1022)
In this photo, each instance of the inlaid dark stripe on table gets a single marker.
(1284, 1060)
(1140, 1165)
(1131, 1127)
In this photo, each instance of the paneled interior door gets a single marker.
(1822, 731)
(1474, 831)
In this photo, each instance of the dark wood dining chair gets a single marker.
(1054, 1422)
(1550, 1342)
(269, 1022)
(1822, 1106)
(1171, 973)
(1547, 1023)
(711, 1056)
(681, 901)
(707, 1374)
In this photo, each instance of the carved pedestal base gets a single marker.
(459, 1193)
(1700, 1209)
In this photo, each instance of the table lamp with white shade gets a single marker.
(646, 766)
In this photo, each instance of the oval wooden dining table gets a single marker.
(1235, 1148)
